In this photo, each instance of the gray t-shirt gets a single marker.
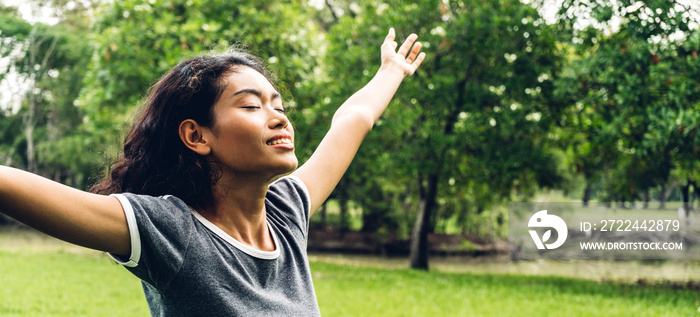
(190, 267)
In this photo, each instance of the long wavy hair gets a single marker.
(154, 160)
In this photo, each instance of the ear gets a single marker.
(193, 136)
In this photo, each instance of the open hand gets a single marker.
(406, 59)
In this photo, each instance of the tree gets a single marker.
(49, 60)
(636, 89)
(475, 115)
(136, 42)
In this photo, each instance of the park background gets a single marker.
(571, 100)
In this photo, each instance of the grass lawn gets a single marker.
(58, 281)
(362, 291)
(67, 284)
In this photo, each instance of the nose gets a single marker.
(278, 119)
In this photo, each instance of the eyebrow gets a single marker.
(255, 92)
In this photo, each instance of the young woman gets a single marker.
(194, 209)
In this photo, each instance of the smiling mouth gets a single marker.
(279, 141)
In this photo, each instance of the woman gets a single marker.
(195, 211)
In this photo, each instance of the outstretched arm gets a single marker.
(355, 118)
(85, 219)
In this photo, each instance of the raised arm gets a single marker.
(89, 220)
(356, 117)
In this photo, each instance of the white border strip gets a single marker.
(265, 255)
(133, 234)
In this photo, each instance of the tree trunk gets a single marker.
(324, 217)
(34, 43)
(463, 216)
(30, 119)
(53, 133)
(374, 217)
(691, 197)
(419, 238)
(696, 194)
(646, 198)
(685, 191)
(587, 193)
(29, 134)
(8, 159)
(666, 191)
(428, 192)
(343, 205)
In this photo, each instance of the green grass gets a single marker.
(356, 291)
(67, 284)
(60, 281)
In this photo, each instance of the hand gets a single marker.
(404, 60)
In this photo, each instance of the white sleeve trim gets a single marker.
(135, 256)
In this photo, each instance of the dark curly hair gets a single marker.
(155, 161)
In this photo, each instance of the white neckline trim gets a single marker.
(265, 255)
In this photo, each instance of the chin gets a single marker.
(286, 168)
(292, 167)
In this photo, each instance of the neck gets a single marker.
(239, 210)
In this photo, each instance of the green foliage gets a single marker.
(476, 113)
(504, 104)
(635, 88)
(50, 60)
(136, 42)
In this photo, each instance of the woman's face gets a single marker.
(251, 133)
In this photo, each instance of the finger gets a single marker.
(403, 50)
(390, 37)
(414, 52)
(418, 60)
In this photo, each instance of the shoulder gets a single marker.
(291, 192)
(288, 203)
(167, 214)
(156, 225)
(152, 205)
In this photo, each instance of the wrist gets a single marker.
(392, 68)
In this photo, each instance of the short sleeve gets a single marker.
(160, 229)
(289, 198)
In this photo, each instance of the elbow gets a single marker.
(4, 182)
(355, 120)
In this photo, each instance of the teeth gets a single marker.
(279, 141)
